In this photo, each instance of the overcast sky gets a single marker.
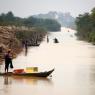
(24, 8)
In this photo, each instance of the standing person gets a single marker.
(26, 47)
(8, 61)
(26, 44)
(47, 39)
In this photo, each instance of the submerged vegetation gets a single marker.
(33, 36)
(86, 26)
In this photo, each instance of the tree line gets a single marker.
(10, 19)
(86, 26)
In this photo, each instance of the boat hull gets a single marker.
(38, 74)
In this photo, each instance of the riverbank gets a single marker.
(8, 40)
(12, 38)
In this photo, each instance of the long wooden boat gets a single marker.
(36, 74)
(35, 45)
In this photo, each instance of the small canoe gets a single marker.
(56, 40)
(35, 45)
(36, 74)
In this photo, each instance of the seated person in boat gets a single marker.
(56, 40)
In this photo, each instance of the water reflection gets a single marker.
(7, 80)
(26, 80)
(92, 74)
(32, 80)
(26, 51)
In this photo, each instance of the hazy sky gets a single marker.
(24, 8)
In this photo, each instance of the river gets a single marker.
(74, 63)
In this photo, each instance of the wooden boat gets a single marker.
(37, 44)
(36, 74)
(56, 40)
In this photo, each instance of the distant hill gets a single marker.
(65, 19)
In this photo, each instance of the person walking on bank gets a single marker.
(8, 61)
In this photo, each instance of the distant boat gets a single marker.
(56, 40)
(35, 74)
(29, 43)
(33, 44)
(68, 31)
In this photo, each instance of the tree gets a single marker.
(86, 26)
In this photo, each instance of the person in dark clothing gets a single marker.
(47, 39)
(26, 44)
(8, 61)
(56, 40)
(26, 47)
